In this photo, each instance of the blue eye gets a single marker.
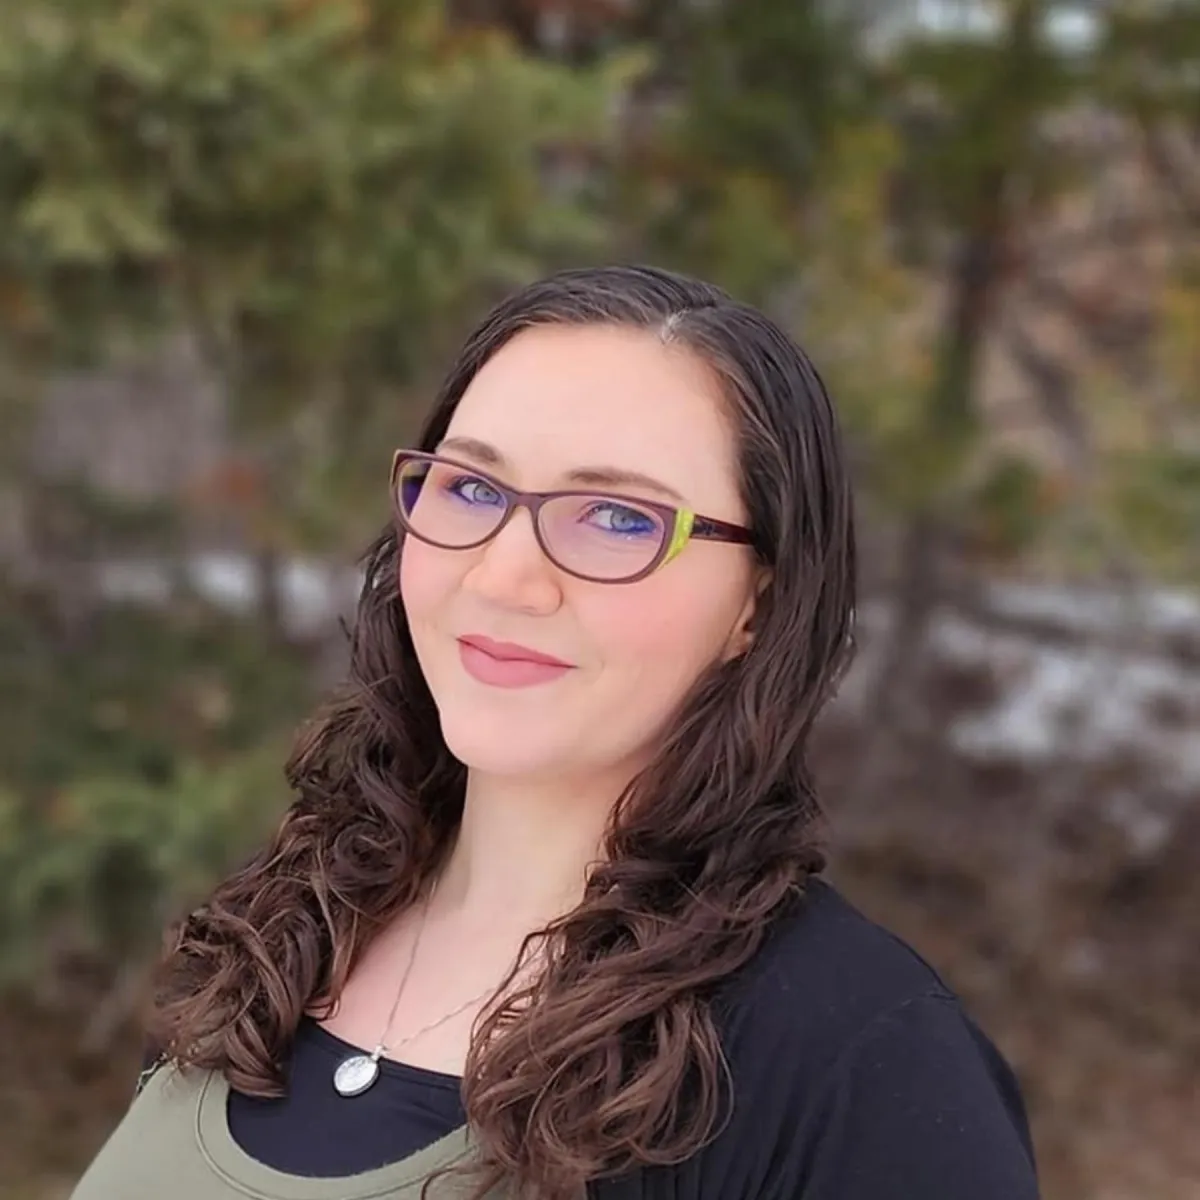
(473, 490)
(621, 519)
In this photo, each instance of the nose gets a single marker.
(513, 572)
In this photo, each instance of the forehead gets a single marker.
(557, 398)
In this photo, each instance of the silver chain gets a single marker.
(383, 1043)
(358, 1072)
(412, 1037)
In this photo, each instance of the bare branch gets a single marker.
(1054, 388)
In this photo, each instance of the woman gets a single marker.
(546, 916)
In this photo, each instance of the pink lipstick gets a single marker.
(506, 664)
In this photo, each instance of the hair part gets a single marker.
(704, 848)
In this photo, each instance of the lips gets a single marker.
(511, 651)
(508, 665)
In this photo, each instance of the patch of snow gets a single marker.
(1158, 613)
(1109, 691)
(313, 593)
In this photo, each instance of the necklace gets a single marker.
(356, 1073)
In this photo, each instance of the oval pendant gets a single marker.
(355, 1074)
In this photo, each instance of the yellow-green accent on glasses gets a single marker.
(685, 520)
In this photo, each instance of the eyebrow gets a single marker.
(604, 477)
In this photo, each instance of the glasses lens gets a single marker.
(447, 505)
(600, 537)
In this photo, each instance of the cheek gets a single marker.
(427, 577)
(669, 628)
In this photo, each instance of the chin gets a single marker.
(492, 745)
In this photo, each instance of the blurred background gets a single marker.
(241, 239)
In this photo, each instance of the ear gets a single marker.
(745, 627)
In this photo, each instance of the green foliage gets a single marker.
(143, 756)
(1010, 506)
(93, 875)
(134, 693)
(760, 91)
(1156, 500)
(1148, 58)
(768, 84)
(971, 106)
(319, 193)
(283, 172)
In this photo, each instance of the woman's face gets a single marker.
(551, 402)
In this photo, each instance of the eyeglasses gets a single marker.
(592, 535)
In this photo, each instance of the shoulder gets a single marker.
(829, 984)
(853, 1065)
(157, 1139)
(824, 973)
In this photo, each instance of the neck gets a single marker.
(523, 849)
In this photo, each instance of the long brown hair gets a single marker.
(611, 1058)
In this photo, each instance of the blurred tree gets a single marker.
(317, 193)
(731, 135)
(881, 180)
(1150, 70)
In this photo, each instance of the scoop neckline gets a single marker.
(240, 1170)
(330, 1043)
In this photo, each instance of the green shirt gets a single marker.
(175, 1144)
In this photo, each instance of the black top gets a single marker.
(313, 1131)
(856, 1076)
